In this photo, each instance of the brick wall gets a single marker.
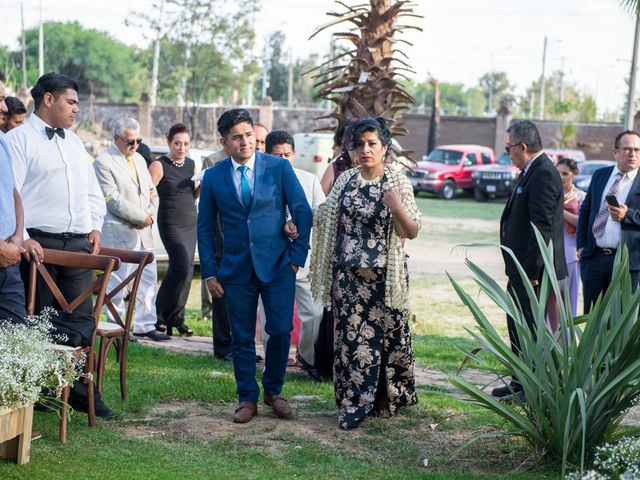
(595, 139)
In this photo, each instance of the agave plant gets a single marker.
(363, 80)
(578, 381)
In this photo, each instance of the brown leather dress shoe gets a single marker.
(279, 405)
(245, 412)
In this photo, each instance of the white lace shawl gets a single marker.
(325, 232)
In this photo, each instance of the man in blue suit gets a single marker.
(251, 193)
(603, 227)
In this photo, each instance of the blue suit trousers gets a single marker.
(242, 303)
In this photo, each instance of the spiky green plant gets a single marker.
(579, 381)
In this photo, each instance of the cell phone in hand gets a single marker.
(612, 200)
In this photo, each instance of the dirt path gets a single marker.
(437, 250)
(424, 376)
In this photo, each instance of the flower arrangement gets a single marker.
(29, 363)
(619, 461)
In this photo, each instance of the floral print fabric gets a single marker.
(373, 355)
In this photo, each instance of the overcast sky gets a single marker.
(591, 39)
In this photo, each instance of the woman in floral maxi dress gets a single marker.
(361, 273)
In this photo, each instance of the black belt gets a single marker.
(61, 236)
(606, 251)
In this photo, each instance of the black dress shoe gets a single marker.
(506, 390)
(101, 409)
(518, 397)
(154, 335)
(227, 358)
(310, 369)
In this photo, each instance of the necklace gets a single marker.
(176, 164)
(373, 181)
(570, 194)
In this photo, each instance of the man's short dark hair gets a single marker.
(616, 143)
(14, 106)
(231, 118)
(53, 83)
(524, 131)
(278, 137)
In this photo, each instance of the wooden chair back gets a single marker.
(121, 337)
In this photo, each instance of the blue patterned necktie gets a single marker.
(244, 186)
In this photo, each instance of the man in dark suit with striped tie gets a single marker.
(538, 200)
(603, 226)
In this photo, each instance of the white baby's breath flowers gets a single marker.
(30, 365)
(619, 461)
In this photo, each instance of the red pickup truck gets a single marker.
(448, 168)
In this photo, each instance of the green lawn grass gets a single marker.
(395, 448)
(459, 207)
(176, 422)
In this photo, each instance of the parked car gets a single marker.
(314, 151)
(583, 179)
(448, 168)
(556, 153)
(499, 180)
(496, 180)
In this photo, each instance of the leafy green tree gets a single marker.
(574, 106)
(304, 90)
(103, 66)
(455, 99)
(278, 67)
(205, 51)
(497, 86)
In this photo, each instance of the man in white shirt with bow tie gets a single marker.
(63, 205)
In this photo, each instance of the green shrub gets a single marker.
(579, 381)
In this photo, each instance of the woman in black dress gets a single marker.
(177, 226)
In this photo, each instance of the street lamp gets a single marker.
(491, 54)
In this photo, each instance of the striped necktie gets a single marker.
(603, 214)
(245, 187)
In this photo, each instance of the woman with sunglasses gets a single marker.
(172, 174)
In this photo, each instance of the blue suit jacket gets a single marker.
(630, 227)
(253, 238)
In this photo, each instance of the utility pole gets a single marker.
(561, 79)
(40, 45)
(290, 85)
(541, 99)
(631, 96)
(156, 60)
(265, 72)
(24, 50)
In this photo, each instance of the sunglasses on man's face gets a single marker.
(130, 143)
(507, 147)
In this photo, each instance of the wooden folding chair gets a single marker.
(117, 332)
(100, 263)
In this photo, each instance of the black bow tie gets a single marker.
(52, 131)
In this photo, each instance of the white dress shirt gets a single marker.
(251, 163)
(613, 229)
(59, 189)
(7, 207)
